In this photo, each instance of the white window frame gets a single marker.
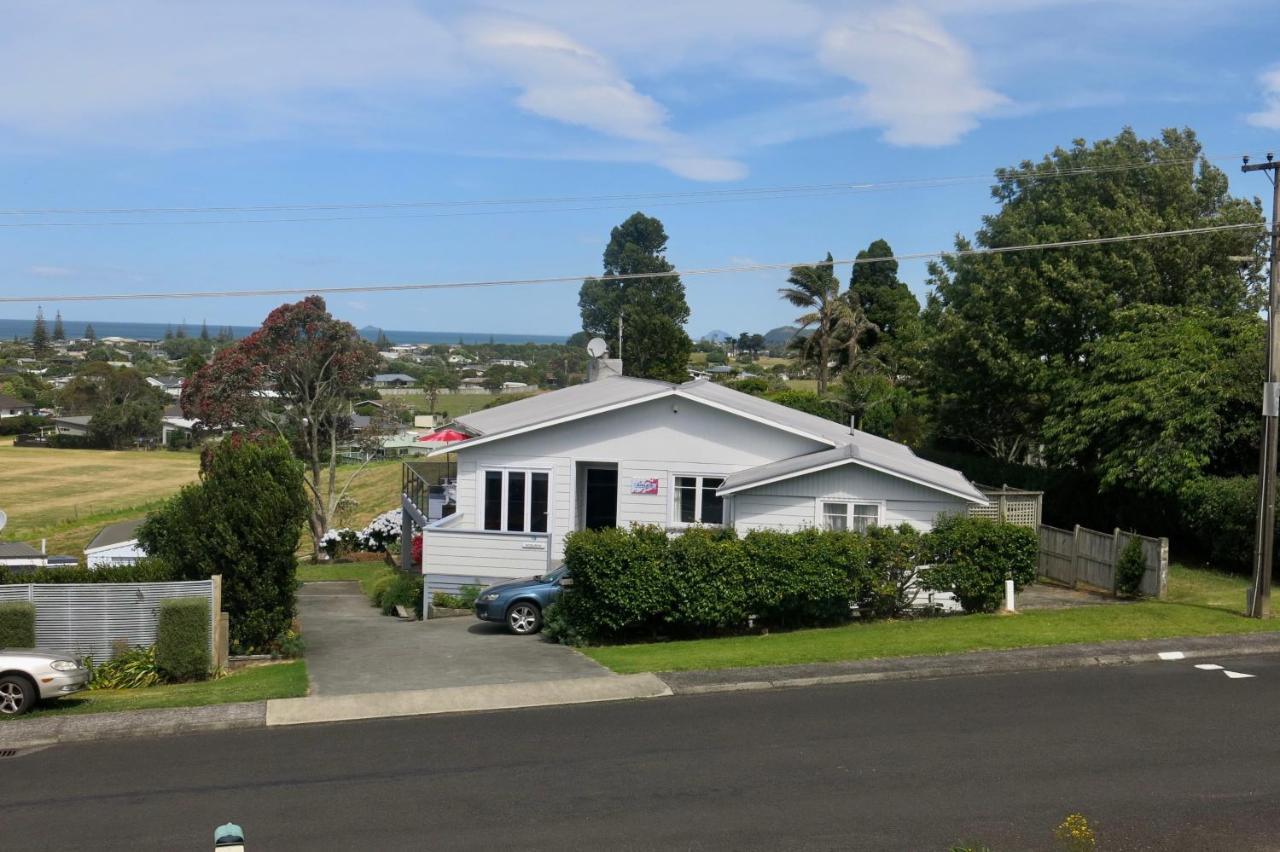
(673, 504)
(528, 472)
(820, 519)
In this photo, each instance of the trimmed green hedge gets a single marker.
(17, 624)
(640, 583)
(146, 571)
(182, 639)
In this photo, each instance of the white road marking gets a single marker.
(1209, 667)
(1234, 675)
(1172, 655)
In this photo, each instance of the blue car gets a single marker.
(520, 603)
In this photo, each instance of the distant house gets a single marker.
(509, 362)
(516, 387)
(16, 555)
(11, 407)
(472, 385)
(393, 380)
(172, 385)
(75, 424)
(115, 545)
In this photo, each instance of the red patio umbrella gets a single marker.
(444, 436)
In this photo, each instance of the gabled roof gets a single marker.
(18, 550)
(13, 402)
(113, 534)
(615, 392)
(75, 419)
(867, 451)
(394, 377)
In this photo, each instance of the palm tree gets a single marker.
(817, 289)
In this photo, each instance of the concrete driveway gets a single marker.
(352, 649)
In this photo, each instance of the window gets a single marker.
(858, 517)
(516, 500)
(697, 501)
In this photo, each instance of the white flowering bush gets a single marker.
(382, 531)
(337, 542)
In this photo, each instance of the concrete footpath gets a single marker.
(52, 729)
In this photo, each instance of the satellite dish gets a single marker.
(4, 519)
(597, 348)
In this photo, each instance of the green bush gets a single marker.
(807, 577)
(17, 624)
(403, 590)
(23, 424)
(1221, 514)
(893, 557)
(468, 595)
(132, 668)
(378, 587)
(1131, 567)
(972, 557)
(182, 639)
(243, 520)
(464, 599)
(708, 575)
(146, 571)
(620, 582)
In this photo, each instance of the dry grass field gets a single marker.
(66, 496)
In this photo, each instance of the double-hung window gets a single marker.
(841, 515)
(696, 500)
(516, 500)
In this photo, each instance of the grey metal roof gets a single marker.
(116, 533)
(871, 453)
(759, 407)
(13, 402)
(75, 419)
(17, 550)
(394, 377)
(572, 401)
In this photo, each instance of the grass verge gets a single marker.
(1201, 603)
(258, 683)
(365, 573)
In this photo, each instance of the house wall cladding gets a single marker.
(88, 618)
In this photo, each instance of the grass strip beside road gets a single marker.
(256, 683)
(1200, 603)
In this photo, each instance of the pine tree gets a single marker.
(204, 330)
(383, 343)
(182, 330)
(39, 335)
(58, 332)
(89, 333)
(168, 332)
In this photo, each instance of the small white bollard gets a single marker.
(1009, 597)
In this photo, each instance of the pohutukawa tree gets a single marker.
(298, 374)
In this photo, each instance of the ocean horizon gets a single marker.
(21, 328)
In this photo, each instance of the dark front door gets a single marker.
(602, 498)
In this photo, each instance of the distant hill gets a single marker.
(718, 336)
(778, 337)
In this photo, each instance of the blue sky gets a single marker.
(163, 103)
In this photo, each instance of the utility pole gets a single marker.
(1260, 593)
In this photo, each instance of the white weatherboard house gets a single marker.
(115, 545)
(622, 450)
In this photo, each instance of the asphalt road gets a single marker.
(1160, 756)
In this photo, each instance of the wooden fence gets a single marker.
(1085, 557)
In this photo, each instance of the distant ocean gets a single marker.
(11, 328)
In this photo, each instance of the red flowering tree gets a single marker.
(298, 374)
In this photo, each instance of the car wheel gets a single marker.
(17, 695)
(524, 618)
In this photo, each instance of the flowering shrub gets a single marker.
(1075, 834)
(417, 550)
(381, 531)
(337, 542)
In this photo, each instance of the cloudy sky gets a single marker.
(132, 104)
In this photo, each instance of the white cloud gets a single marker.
(563, 80)
(920, 83)
(1269, 116)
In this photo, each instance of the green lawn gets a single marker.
(1200, 603)
(258, 683)
(363, 572)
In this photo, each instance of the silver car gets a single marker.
(30, 676)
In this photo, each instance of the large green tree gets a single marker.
(40, 335)
(1167, 398)
(1009, 331)
(832, 323)
(242, 520)
(653, 310)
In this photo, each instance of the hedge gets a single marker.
(973, 557)
(182, 639)
(146, 571)
(17, 624)
(640, 583)
(1221, 514)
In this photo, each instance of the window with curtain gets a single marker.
(697, 501)
(858, 517)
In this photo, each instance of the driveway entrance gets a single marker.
(352, 649)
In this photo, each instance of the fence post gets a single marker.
(1115, 558)
(1162, 584)
(1075, 558)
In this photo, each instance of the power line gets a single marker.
(564, 279)
(522, 205)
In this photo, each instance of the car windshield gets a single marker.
(554, 576)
